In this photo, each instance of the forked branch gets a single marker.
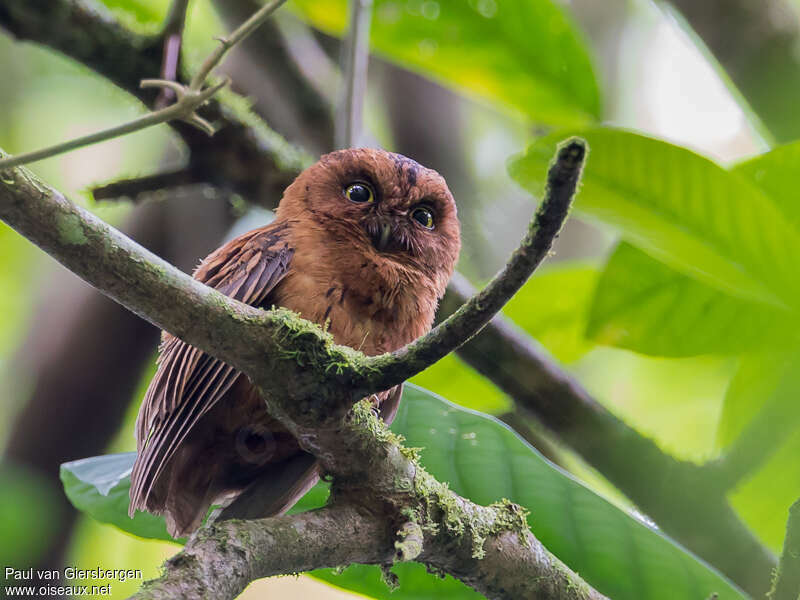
(311, 388)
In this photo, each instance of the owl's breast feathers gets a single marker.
(198, 409)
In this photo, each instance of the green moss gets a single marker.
(70, 230)
(390, 579)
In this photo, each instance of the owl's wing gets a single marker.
(188, 382)
(277, 489)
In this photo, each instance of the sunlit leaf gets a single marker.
(764, 499)
(761, 412)
(643, 305)
(552, 307)
(525, 55)
(776, 172)
(456, 379)
(682, 209)
(484, 460)
(752, 389)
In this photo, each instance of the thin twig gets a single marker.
(134, 187)
(562, 182)
(234, 38)
(182, 109)
(356, 61)
(172, 33)
(189, 99)
(786, 585)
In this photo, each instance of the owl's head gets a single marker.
(385, 206)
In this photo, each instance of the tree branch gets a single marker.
(688, 501)
(189, 97)
(470, 318)
(309, 383)
(222, 559)
(246, 158)
(172, 34)
(136, 187)
(244, 154)
(356, 61)
(786, 585)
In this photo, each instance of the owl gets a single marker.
(363, 243)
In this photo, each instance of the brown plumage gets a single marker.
(365, 241)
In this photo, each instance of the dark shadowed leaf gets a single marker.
(485, 461)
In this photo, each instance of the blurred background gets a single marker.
(73, 366)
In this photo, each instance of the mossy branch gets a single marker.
(310, 383)
(562, 182)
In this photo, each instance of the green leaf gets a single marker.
(645, 306)
(456, 379)
(752, 389)
(99, 486)
(552, 307)
(485, 461)
(763, 501)
(761, 411)
(524, 55)
(775, 172)
(682, 209)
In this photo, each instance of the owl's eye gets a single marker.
(423, 216)
(359, 193)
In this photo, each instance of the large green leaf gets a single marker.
(776, 172)
(683, 209)
(761, 411)
(763, 500)
(552, 307)
(643, 305)
(756, 388)
(484, 460)
(99, 486)
(524, 55)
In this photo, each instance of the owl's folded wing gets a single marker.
(188, 382)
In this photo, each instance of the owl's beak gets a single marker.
(385, 235)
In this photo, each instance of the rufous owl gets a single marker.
(363, 243)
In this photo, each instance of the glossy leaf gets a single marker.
(484, 460)
(523, 55)
(99, 486)
(643, 305)
(682, 209)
